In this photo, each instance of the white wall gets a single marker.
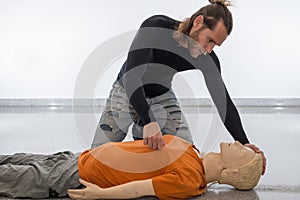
(44, 43)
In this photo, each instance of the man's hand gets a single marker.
(153, 136)
(91, 191)
(257, 150)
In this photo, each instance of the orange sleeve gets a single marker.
(176, 185)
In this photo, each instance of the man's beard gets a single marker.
(194, 48)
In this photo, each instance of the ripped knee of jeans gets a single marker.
(106, 127)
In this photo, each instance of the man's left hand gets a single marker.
(257, 150)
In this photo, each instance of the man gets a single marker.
(142, 93)
(119, 170)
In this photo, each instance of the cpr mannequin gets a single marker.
(238, 166)
(235, 165)
(126, 170)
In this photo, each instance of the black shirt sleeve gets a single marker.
(138, 57)
(220, 96)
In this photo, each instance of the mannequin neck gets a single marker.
(213, 167)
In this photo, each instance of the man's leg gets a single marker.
(38, 176)
(169, 116)
(116, 118)
(137, 131)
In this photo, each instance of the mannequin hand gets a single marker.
(257, 150)
(91, 191)
(153, 136)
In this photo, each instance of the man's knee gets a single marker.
(109, 133)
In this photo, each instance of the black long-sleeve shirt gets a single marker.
(153, 60)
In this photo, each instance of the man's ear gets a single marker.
(198, 22)
(233, 173)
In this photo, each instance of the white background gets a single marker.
(44, 43)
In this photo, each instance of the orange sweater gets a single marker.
(176, 170)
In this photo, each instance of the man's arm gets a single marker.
(138, 58)
(220, 96)
(226, 109)
(136, 65)
(129, 190)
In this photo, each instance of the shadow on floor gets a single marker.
(213, 193)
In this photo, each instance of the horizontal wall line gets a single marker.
(187, 102)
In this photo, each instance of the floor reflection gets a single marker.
(275, 130)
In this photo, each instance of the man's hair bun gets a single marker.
(222, 2)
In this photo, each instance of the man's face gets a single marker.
(205, 38)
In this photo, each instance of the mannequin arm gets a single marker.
(129, 190)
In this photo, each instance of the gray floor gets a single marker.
(275, 129)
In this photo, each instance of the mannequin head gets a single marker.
(242, 166)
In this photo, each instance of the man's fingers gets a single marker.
(155, 143)
(161, 143)
(264, 163)
(145, 141)
(255, 148)
(153, 138)
(150, 143)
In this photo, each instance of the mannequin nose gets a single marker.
(237, 143)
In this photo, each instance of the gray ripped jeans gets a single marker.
(38, 176)
(118, 115)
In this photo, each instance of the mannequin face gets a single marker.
(235, 155)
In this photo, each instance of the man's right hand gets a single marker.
(153, 136)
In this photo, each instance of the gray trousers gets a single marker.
(118, 115)
(38, 176)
